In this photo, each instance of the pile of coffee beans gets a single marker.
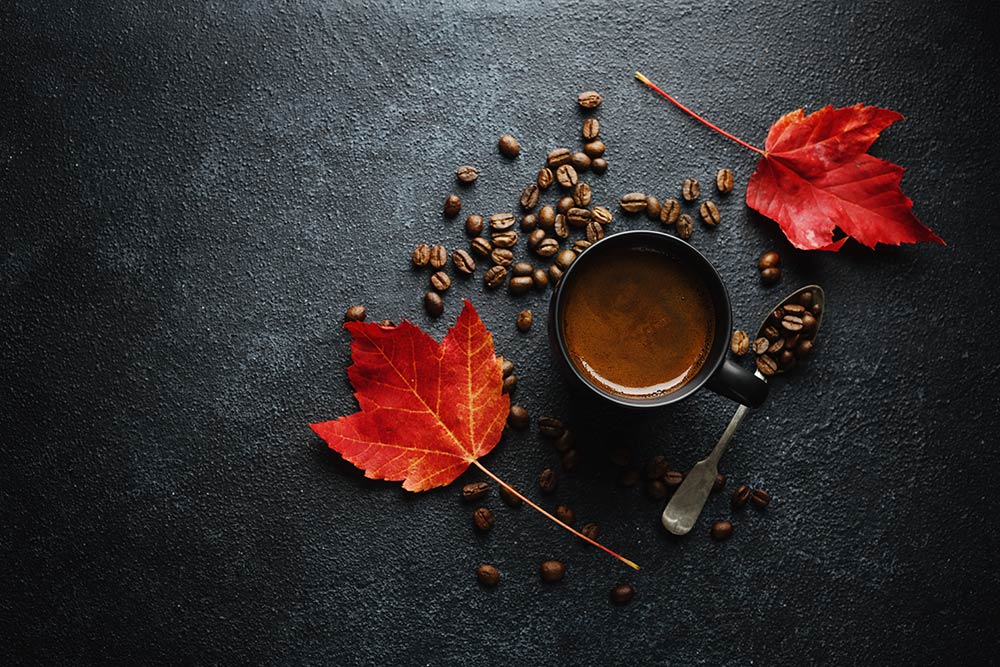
(787, 336)
(669, 211)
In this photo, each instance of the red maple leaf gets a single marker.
(815, 176)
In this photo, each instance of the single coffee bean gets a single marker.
(673, 479)
(518, 417)
(524, 318)
(786, 361)
(793, 309)
(791, 340)
(546, 217)
(355, 314)
(502, 257)
(629, 478)
(580, 161)
(565, 204)
(653, 207)
(768, 260)
(558, 157)
(777, 314)
(529, 222)
(552, 571)
(601, 214)
(803, 349)
(561, 227)
(582, 194)
(438, 257)
(555, 274)
(506, 366)
(722, 530)
(670, 211)
(589, 99)
(760, 345)
(536, 237)
(771, 275)
(545, 178)
(621, 456)
(806, 299)
(508, 497)
(547, 247)
(791, 323)
(548, 480)
(599, 165)
(578, 217)
(709, 213)
(774, 348)
(740, 343)
(566, 175)
(474, 491)
(816, 309)
(540, 278)
(564, 442)
(719, 484)
(387, 324)
(508, 146)
(474, 225)
(481, 246)
(433, 304)
(740, 497)
(564, 514)
(580, 245)
(656, 489)
(421, 255)
(591, 530)
(690, 189)
(452, 205)
(622, 594)
(808, 323)
(501, 222)
(494, 276)
(482, 518)
(770, 332)
(551, 427)
(565, 258)
(506, 239)
(521, 269)
(529, 197)
(595, 232)
(594, 149)
(591, 129)
(440, 281)
(724, 181)
(488, 575)
(467, 173)
(656, 467)
(760, 498)
(633, 202)
(519, 285)
(509, 384)
(767, 365)
(685, 226)
(463, 262)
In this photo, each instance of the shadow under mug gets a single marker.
(718, 373)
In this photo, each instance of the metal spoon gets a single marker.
(684, 508)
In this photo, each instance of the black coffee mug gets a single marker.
(718, 373)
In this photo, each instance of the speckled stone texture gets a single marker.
(192, 193)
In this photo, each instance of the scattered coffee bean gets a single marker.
(561, 226)
(529, 197)
(474, 225)
(545, 178)
(524, 318)
(709, 213)
(591, 129)
(488, 575)
(440, 281)
(508, 497)
(536, 237)
(601, 214)
(685, 226)
(599, 165)
(481, 247)
(589, 99)
(622, 594)
(546, 217)
(591, 530)
(558, 157)
(621, 456)
(690, 189)
(594, 149)
(565, 204)
(518, 417)
(580, 161)
(421, 255)
(502, 257)
(582, 194)
(548, 480)
(653, 207)
(467, 173)
(670, 211)
(565, 514)
(673, 479)
(578, 217)
(508, 146)
(656, 489)
(433, 304)
(552, 571)
(768, 260)
(555, 274)
(551, 427)
(474, 491)
(767, 365)
(540, 278)
(564, 442)
(595, 232)
(506, 239)
(633, 202)
(547, 247)
(629, 478)
(580, 245)
(741, 496)
(740, 343)
(463, 262)
(495, 276)
(722, 530)
(509, 384)
(521, 269)
(719, 484)
(482, 518)
(501, 222)
(519, 285)
(506, 366)
(438, 257)
(529, 222)
(724, 181)
(355, 314)
(760, 498)
(565, 258)
(656, 467)
(566, 175)
(452, 205)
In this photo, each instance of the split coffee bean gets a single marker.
(452, 205)
(463, 262)
(438, 257)
(546, 217)
(481, 247)
(673, 479)
(551, 427)
(488, 575)
(508, 146)
(433, 304)
(558, 157)
(494, 276)
(561, 227)
(474, 491)
(740, 343)
(467, 173)
(599, 165)
(535, 238)
(524, 318)
(565, 204)
(690, 189)
(529, 197)
(482, 518)
(685, 226)
(580, 161)
(578, 217)
(548, 480)
(540, 278)
(591, 129)
(508, 497)
(501, 222)
(760, 498)
(547, 247)
(502, 257)
(552, 571)
(601, 214)
(589, 99)
(741, 496)
(580, 245)
(529, 222)
(722, 530)
(595, 232)
(633, 202)
(545, 178)
(767, 365)
(670, 211)
(519, 285)
(594, 149)
(724, 181)
(506, 239)
(440, 281)
(582, 194)
(421, 255)
(622, 594)
(474, 225)
(565, 514)
(518, 417)
(709, 213)
(653, 207)
(565, 258)
(355, 314)
(521, 269)
(509, 384)
(566, 175)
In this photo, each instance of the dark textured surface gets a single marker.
(192, 193)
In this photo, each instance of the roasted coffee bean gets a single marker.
(508, 497)
(506, 366)
(740, 497)
(656, 489)
(547, 247)
(438, 257)
(501, 222)
(474, 491)
(580, 245)
(509, 384)
(803, 349)
(793, 309)
(502, 257)
(535, 238)
(452, 205)
(816, 309)
(599, 165)
(791, 323)
(580, 161)
(685, 226)
(546, 217)
(578, 217)
(582, 194)
(524, 318)
(565, 204)
(622, 594)
(558, 157)
(552, 571)
(463, 262)
(421, 255)
(633, 202)
(777, 314)
(673, 479)
(760, 498)
(719, 484)
(690, 189)
(670, 211)
(791, 340)
(529, 222)
(488, 575)
(629, 478)
(722, 530)
(387, 324)
(566, 175)
(355, 314)
(770, 333)
(482, 518)
(506, 239)
(808, 323)
(467, 173)
(440, 281)
(767, 365)
(555, 274)
(760, 345)
(519, 285)
(508, 146)
(601, 214)
(771, 275)
(775, 347)
(564, 442)
(518, 417)
(551, 427)
(589, 99)
(806, 299)
(540, 278)
(474, 225)
(740, 343)
(595, 232)
(656, 467)
(561, 227)
(481, 247)
(591, 530)
(565, 258)
(591, 129)
(594, 149)
(724, 181)
(529, 197)
(521, 269)
(786, 360)
(564, 514)
(433, 304)
(548, 480)
(653, 207)
(709, 213)
(621, 456)
(545, 178)
(495, 276)
(768, 260)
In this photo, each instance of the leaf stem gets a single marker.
(696, 116)
(546, 514)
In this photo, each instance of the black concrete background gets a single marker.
(192, 193)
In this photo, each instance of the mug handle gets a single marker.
(733, 381)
